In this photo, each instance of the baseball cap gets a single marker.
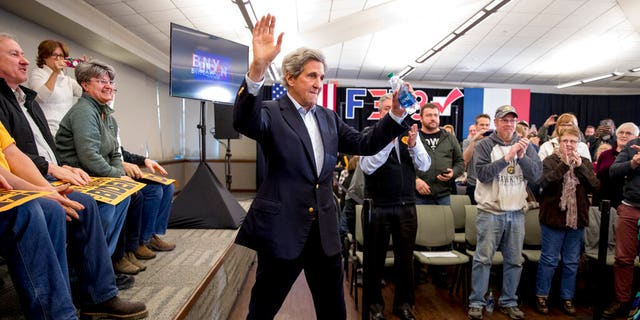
(505, 110)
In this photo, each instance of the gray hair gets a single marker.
(633, 127)
(293, 63)
(94, 69)
(4, 35)
(386, 96)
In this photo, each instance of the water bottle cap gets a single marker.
(390, 75)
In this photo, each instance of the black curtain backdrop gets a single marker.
(589, 109)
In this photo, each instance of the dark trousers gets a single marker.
(401, 223)
(471, 190)
(274, 278)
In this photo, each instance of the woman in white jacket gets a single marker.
(56, 90)
(564, 120)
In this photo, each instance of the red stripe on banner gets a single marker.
(521, 100)
(328, 97)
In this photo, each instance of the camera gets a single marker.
(72, 63)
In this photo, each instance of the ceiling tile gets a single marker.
(150, 5)
(163, 16)
(115, 9)
(130, 20)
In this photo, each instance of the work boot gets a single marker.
(158, 244)
(115, 308)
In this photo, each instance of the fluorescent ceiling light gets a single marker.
(604, 76)
(444, 42)
(466, 26)
(471, 22)
(569, 84)
(635, 69)
(406, 71)
(496, 4)
(425, 56)
(587, 80)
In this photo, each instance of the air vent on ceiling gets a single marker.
(628, 79)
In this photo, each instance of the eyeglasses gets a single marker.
(509, 121)
(568, 141)
(56, 55)
(104, 82)
(625, 133)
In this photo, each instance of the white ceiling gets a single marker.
(527, 43)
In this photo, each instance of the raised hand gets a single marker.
(413, 134)
(265, 49)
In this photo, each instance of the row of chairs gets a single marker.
(445, 227)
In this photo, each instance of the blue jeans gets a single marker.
(443, 201)
(505, 231)
(556, 243)
(112, 219)
(33, 243)
(156, 210)
(88, 254)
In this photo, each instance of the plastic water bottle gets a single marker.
(407, 100)
(490, 301)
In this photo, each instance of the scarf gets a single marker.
(568, 201)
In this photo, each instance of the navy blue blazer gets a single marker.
(293, 193)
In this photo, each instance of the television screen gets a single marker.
(205, 67)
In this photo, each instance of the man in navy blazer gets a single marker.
(293, 222)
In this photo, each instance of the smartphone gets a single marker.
(487, 133)
(72, 63)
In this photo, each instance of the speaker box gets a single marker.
(223, 113)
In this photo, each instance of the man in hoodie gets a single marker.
(504, 163)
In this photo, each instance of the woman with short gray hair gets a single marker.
(87, 139)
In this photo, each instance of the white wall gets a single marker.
(166, 131)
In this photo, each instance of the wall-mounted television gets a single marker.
(205, 67)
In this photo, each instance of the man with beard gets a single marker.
(434, 186)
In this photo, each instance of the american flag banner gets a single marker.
(328, 95)
(277, 91)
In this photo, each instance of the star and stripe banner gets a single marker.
(326, 99)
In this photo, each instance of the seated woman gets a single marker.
(567, 179)
(87, 138)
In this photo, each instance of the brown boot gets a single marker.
(134, 261)
(144, 253)
(124, 266)
(115, 308)
(158, 244)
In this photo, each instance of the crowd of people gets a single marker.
(506, 164)
(54, 127)
(507, 168)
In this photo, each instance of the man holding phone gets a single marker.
(435, 185)
(605, 133)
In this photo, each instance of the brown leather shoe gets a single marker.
(115, 308)
(134, 261)
(144, 253)
(541, 305)
(568, 308)
(124, 266)
(614, 309)
(158, 244)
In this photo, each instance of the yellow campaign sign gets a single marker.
(10, 199)
(156, 178)
(108, 190)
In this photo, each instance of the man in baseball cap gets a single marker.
(505, 110)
